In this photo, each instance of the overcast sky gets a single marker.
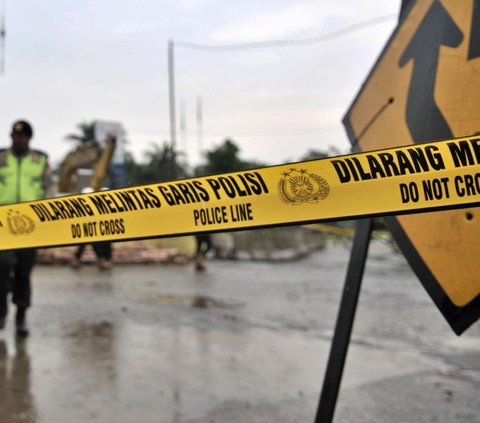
(68, 61)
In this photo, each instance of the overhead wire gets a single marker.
(287, 43)
(290, 43)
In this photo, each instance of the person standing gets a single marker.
(24, 176)
(103, 250)
(203, 246)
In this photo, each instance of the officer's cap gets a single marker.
(22, 127)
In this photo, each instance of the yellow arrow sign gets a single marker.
(411, 179)
(425, 86)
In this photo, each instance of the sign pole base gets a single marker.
(345, 318)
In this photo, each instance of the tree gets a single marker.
(224, 158)
(162, 164)
(85, 154)
(313, 154)
(87, 133)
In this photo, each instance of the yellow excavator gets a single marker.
(86, 166)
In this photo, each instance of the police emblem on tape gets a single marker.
(19, 224)
(300, 186)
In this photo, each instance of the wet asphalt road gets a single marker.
(241, 342)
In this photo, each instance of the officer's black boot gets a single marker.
(21, 322)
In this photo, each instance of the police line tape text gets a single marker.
(221, 214)
(101, 228)
(407, 161)
(438, 188)
(246, 184)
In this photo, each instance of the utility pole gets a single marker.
(183, 125)
(171, 94)
(2, 37)
(199, 124)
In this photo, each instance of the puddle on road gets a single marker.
(102, 329)
(117, 371)
(201, 301)
(16, 399)
(195, 301)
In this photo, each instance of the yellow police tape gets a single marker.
(410, 179)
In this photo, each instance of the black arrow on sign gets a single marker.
(474, 46)
(424, 119)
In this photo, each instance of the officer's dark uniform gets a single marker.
(22, 178)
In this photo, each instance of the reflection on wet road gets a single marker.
(16, 399)
(241, 342)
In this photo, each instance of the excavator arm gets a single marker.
(87, 155)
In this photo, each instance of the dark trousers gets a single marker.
(102, 250)
(204, 243)
(15, 277)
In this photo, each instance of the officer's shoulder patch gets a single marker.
(37, 155)
(39, 152)
(3, 156)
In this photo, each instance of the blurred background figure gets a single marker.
(102, 250)
(98, 160)
(204, 244)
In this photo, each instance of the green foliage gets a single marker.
(86, 133)
(224, 158)
(162, 164)
(313, 155)
(320, 154)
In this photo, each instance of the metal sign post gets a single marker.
(345, 318)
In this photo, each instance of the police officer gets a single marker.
(23, 177)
